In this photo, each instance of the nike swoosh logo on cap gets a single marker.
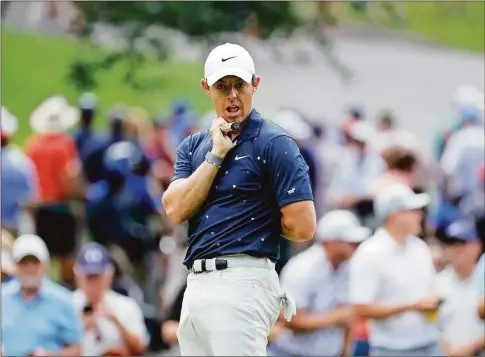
(228, 58)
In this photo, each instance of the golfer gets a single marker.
(240, 191)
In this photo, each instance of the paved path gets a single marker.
(415, 80)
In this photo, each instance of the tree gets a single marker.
(200, 20)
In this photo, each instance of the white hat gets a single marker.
(469, 95)
(341, 225)
(361, 131)
(54, 115)
(292, 122)
(30, 244)
(10, 124)
(396, 198)
(229, 60)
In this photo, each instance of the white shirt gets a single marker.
(463, 155)
(354, 175)
(458, 318)
(125, 309)
(316, 288)
(386, 273)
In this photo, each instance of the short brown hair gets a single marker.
(400, 159)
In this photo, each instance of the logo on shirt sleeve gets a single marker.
(292, 191)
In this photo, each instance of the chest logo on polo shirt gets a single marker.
(240, 157)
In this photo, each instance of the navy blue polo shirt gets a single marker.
(262, 173)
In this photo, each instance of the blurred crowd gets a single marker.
(82, 222)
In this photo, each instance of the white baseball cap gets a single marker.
(362, 131)
(397, 198)
(229, 60)
(30, 244)
(341, 225)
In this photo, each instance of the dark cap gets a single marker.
(462, 231)
(94, 259)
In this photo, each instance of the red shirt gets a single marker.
(52, 155)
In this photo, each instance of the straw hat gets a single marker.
(54, 115)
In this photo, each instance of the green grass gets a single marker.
(35, 67)
(442, 22)
(437, 21)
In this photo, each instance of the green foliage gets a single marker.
(200, 20)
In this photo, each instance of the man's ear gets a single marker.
(255, 82)
(205, 86)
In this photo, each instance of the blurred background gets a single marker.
(125, 79)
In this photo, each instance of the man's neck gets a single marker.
(29, 294)
(334, 259)
(464, 272)
(399, 235)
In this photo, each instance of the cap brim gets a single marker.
(39, 256)
(358, 235)
(418, 201)
(229, 71)
(93, 269)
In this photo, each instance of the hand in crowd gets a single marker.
(344, 316)
(427, 304)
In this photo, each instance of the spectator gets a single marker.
(159, 151)
(113, 323)
(401, 167)
(479, 278)
(8, 264)
(461, 328)
(38, 317)
(463, 155)
(182, 121)
(351, 186)
(55, 157)
(170, 325)
(116, 213)
(472, 206)
(19, 179)
(318, 281)
(392, 278)
(86, 140)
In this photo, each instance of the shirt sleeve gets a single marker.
(183, 166)
(72, 327)
(364, 277)
(287, 171)
(135, 322)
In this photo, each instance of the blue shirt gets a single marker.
(18, 185)
(49, 321)
(262, 173)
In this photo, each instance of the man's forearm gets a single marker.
(185, 197)
(303, 322)
(379, 312)
(71, 350)
(132, 342)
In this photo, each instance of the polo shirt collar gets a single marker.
(252, 126)
(41, 294)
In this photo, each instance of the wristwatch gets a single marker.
(214, 160)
